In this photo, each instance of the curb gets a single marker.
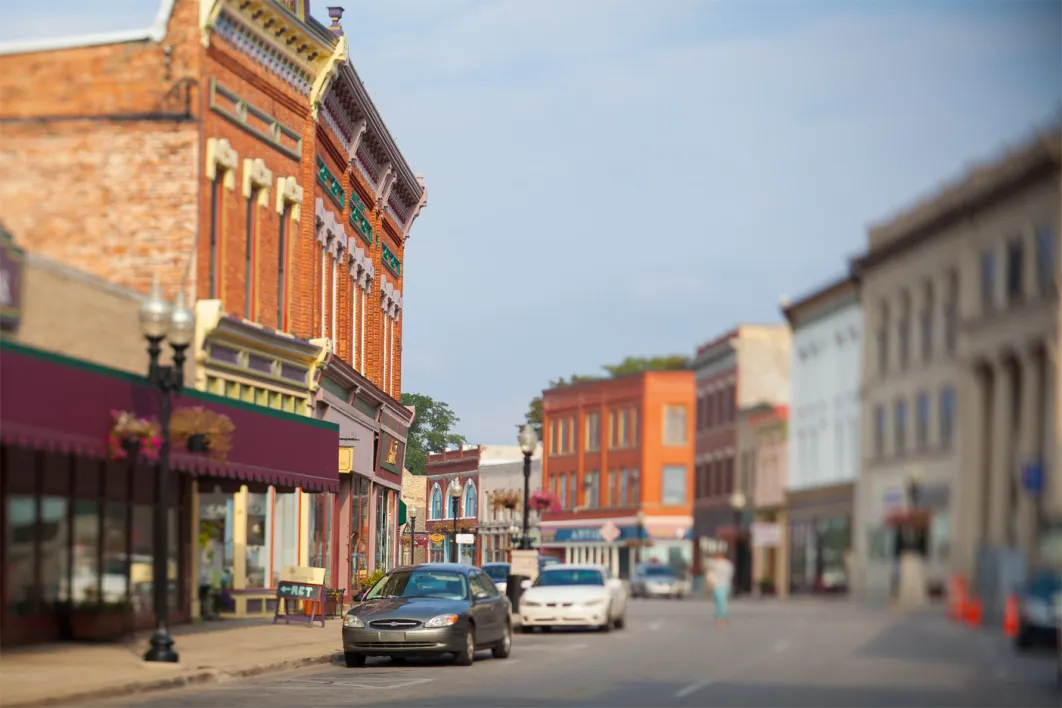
(200, 677)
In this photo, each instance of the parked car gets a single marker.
(1038, 623)
(429, 609)
(654, 580)
(574, 596)
(499, 573)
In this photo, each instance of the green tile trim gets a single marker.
(391, 261)
(359, 222)
(332, 186)
(63, 360)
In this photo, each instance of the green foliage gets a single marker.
(630, 365)
(432, 430)
(377, 576)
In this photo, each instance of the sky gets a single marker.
(634, 177)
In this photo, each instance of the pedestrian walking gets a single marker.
(720, 578)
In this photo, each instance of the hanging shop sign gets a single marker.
(390, 456)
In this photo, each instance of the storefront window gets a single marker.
(215, 563)
(359, 526)
(257, 540)
(55, 535)
(437, 551)
(115, 556)
(141, 568)
(940, 535)
(21, 528)
(320, 533)
(383, 533)
(86, 576)
(285, 532)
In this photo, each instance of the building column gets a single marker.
(1001, 434)
(567, 554)
(613, 561)
(341, 537)
(781, 568)
(1030, 447)
(193, 564)
(972, 410)
(239, 540)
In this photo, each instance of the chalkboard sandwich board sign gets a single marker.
(291, 591)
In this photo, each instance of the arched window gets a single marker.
(436, 503)
(471, 510)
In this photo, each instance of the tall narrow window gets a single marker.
(922, 425)
(282, 270)
(883, 340)
(900, 423)
(248, 256)
(903, 331)
(355, 334)
(879, 431)
(384, 342)
(1046, 264)
(947, 417)
(324, 286)
(1015, 271)
(927, 323)
(951, 313)
(593, 432)
(364, 324)
(333, 322)
(988, 280)
(215, 237)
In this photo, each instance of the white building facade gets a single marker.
(501, 489)
(824, 435)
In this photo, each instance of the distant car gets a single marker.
(499, 573)
(430, 609)
(652, 580)
(574, 596)
(1038, 623)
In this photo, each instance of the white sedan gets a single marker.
(574, 596)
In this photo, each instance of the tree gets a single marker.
(432, 430)
(630, 365)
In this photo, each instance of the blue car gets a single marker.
(1038, 624)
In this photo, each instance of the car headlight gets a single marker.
(1036, 611)
(594, 603)
(441, 621)
(352, 621)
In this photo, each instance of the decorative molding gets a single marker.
(330, 233)
(421, 203)
(208, 17)
(257, 175)
(383, 187)
(390, 260)
(326, 74)
(265, 53)
(243, 113)
(220, 154)
(359, 131)
(359, 220)
(289, 192)
(332, 186)
(358, 264)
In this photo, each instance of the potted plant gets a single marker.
(543, 500)
(131, 435)
(767, 586)
(506, 499)
(202, 431)
(100, 620)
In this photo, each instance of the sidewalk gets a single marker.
(69, 674)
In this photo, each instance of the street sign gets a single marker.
(1032, 477)
(466, 539)
(609, 532)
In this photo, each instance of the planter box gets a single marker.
(99, 625)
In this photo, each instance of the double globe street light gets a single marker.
(158, 321)
(528, 444)
(455, 505)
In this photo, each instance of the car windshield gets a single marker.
(569, 576)
(1044, 584)
(497, 573)
(442, 584)
(658, 571)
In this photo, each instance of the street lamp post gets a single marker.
(455, 503)
(158, 321)
(738, 501)
(640, 519)
(528, 442)
(514, 536)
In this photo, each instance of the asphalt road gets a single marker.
(804, 653)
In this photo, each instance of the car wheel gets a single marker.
(353, 659)
(467, 656)
(620, 622)
(1023, 642)
(607, 626)
(505, 646)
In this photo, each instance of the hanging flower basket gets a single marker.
(131, 436)
(506, 499)
(202, 431)
(544, 500)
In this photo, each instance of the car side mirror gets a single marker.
(481, 596)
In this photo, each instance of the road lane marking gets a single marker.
(781, 645)
(692, 688)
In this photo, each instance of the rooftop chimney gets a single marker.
(336, 14)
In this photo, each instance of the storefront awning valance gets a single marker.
(54, 402)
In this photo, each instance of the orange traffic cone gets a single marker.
(973, 612)
(1010, 617)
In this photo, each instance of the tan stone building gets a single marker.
(960, 304)
(414, 496)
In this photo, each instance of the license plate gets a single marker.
(392, 636)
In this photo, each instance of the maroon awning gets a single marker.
(53, 402)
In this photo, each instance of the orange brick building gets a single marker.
(232, 151)
(618, 454)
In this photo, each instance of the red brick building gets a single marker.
(232, 151)
(618, 454)
(453, 502)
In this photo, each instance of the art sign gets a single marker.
(390, 457)
(11, 258)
